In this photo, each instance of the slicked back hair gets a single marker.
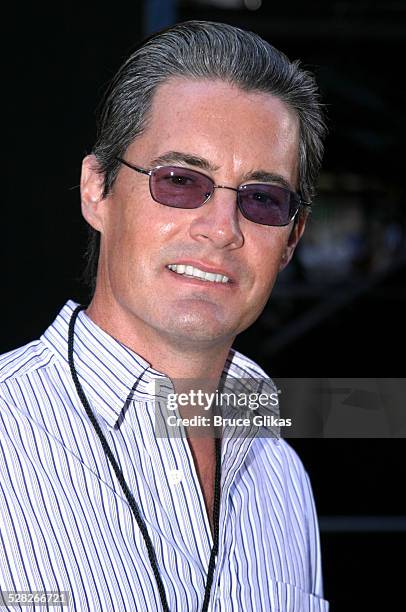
(202, 50)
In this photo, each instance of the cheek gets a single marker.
(266, 251)
(164, 230)
(136, 239)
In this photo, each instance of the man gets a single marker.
(206, 139)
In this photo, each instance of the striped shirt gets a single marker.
(67, 526)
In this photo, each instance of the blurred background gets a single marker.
(338, 309)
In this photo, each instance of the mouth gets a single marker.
(193, 272)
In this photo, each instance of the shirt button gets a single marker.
(175, 476)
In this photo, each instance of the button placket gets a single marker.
(175, 476)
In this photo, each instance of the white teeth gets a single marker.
(195, 272)
(210, 277)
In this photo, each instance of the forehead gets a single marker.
(233, 129)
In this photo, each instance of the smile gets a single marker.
(193, 272)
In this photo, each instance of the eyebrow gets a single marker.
(176, 157)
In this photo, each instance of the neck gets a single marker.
(177, 359)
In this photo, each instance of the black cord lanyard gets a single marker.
(129, 495)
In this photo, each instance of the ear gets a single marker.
(91, 191)
(296, 233)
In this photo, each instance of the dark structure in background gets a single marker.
(337, 311)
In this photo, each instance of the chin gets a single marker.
(192, 328)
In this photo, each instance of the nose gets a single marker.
(217, 221)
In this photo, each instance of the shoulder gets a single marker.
(244, 366)
(284, 458)
(277, 448)
(294, 467)
(24, 359)
(19, 371)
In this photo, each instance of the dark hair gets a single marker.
(201, 50)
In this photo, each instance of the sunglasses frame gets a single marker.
(236, 189)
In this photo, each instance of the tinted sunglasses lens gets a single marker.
(268, 204)
(180, 187)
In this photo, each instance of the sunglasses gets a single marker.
(184, 188)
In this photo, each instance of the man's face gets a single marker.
(235, 133)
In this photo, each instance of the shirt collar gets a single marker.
(110, 373)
